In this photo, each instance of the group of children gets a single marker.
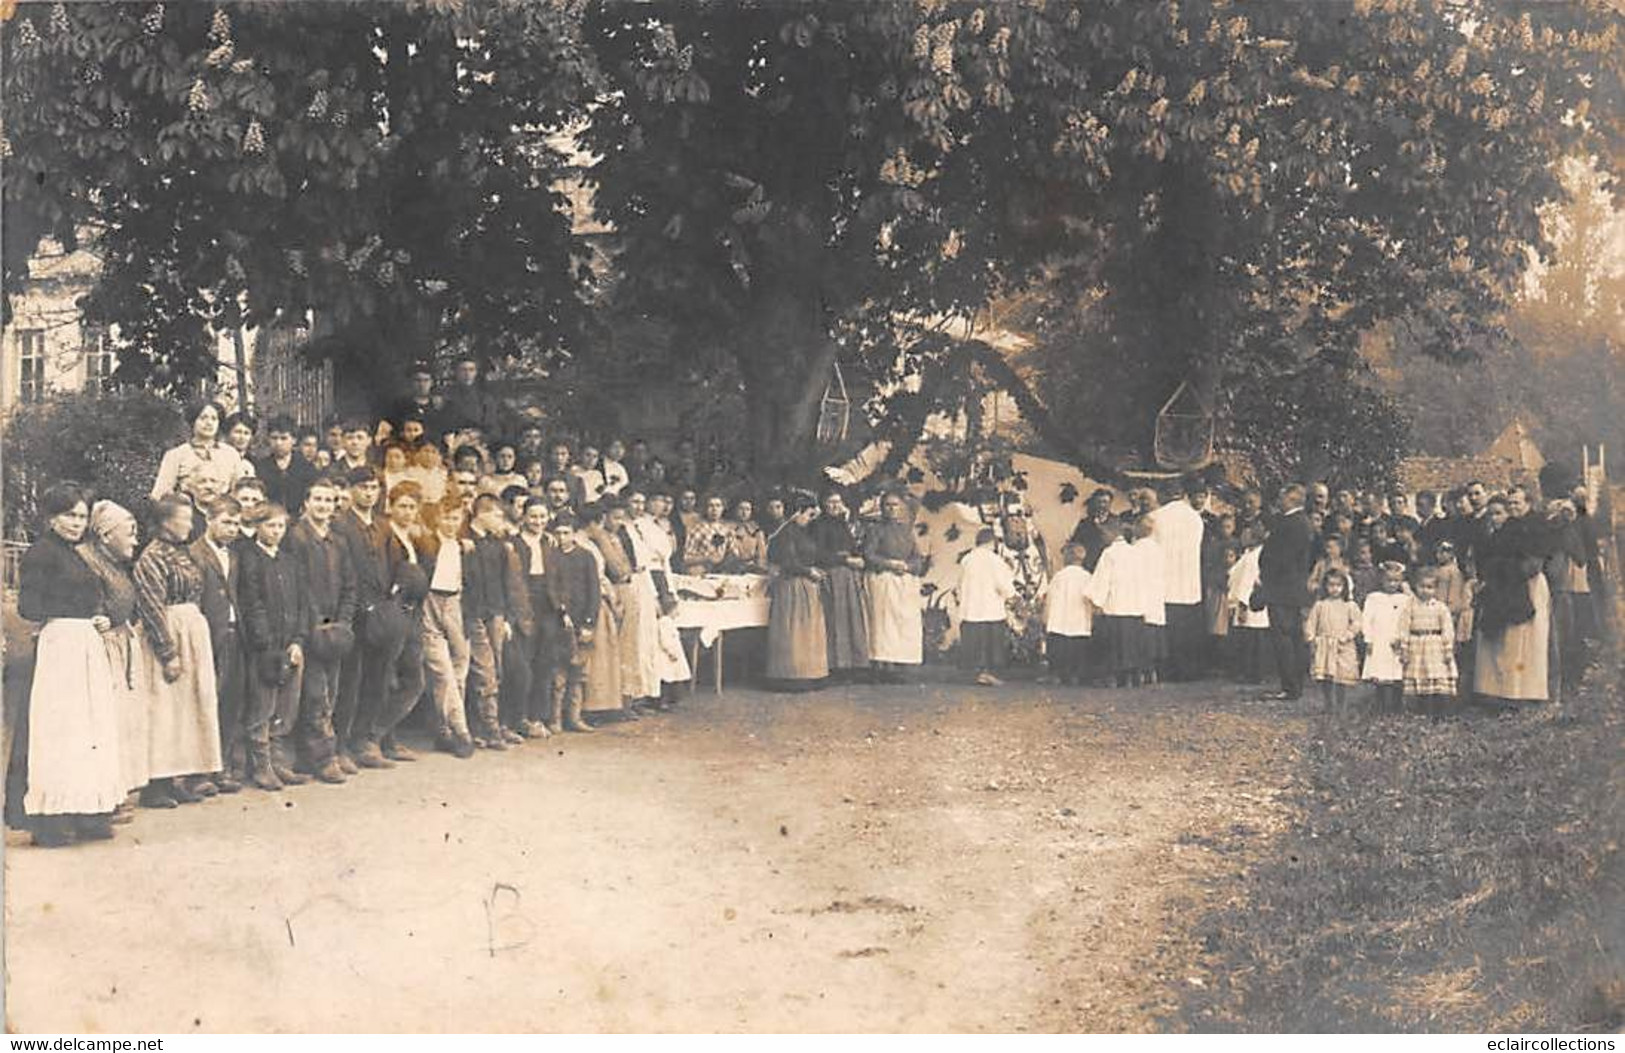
(1107, 610)
(1408, 635)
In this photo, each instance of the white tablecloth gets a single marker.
(741, 603)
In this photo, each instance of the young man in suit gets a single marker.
(1283, 578)
(528, 667)
(216, 557)
(494, 605)
(276, 621)
(392, 645)
(330, 586)
(360, 526)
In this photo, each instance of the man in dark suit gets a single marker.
(1090, 531)
(360, 526)
(392, 658)
(216, 556)
(1283, 578)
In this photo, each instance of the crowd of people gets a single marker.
(294, 602)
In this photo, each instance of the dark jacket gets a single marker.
(794, 551)
(835, 539)
(275, 612)
(572, 585)
(286, 488)
(403, 580)
(492, 583)
(364, 543)
(221, 602)
(329, 577)
(1092, 537)
(56, 582)
(1283, 565)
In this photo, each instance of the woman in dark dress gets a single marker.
(74, 773)
(846, 614)
(797, 644)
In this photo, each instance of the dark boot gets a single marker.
(370, 756)
(288, 776)
(330, 772)
(159, 793)
(94, 827)
(53, 831)
(394, 751)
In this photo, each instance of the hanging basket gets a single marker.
(834, 410)
(1185, 432)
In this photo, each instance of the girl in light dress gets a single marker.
(1380, 625)
(1331, 629)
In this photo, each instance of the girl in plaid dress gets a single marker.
(1427, 638)
(1331, 629)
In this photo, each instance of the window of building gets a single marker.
(30, 365)
(100, 361)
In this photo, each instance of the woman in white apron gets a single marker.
(75, 777)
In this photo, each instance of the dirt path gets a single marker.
(869, 859)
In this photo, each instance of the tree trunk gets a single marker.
(785, 359)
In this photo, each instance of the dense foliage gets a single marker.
(385, 165)
(1227, 193)
(86, 437)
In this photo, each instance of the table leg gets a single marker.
(716, 658)
(694, 665)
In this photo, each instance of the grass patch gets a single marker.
(1463, 875)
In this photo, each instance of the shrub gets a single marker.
(110, 442)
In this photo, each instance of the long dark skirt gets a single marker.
(983, 646)
(797, 645)
(1125, 646)
(1069, 657)
(846, 618)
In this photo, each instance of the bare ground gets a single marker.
(923, 858)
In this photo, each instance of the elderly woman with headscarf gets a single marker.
(110, 552)
(75, 778)
(185, 722)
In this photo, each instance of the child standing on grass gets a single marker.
(986, 586)
(1250, 645)
(1331, 629)
(1068, 619)
(1427, 636)
(1380, 625)
(1150, 584)
(1120, 629)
